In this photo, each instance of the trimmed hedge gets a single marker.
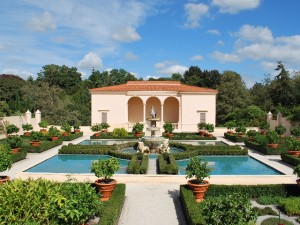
(108, 135)
(192, 210)
(138, 164)
(72, 136)
(234, 137)
(167, 164)
(112, 208)
(290, 159)
(191, 150)
(265, 150)
(188, 136)
(20, 155)
(43, 147)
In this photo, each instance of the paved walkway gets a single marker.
(152, 167)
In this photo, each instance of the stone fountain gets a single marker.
(153, 143)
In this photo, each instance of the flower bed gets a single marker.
(167, 164)
(234, 137)
(138, 164)
(264, 149)
(290, 159)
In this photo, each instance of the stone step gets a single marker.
(152, 166)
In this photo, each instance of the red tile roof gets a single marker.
(153, 86)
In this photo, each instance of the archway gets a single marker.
(171, 110)
(135, 110)
(155, 102)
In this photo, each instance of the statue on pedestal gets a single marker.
(152, 112)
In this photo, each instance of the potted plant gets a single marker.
(280, 130)
(53, 133)
(272, 138)
(210, 128)
(200, 170)
(296, 132)
(241, 130)
(104, 170)
(169, 129)
(27, 127)
(293, 146)
(35, 139)
(230, 125)
(43, 125)
(15, 143)
(137, 129)
(264, 127)
(251, 134)
(11, 128)
(96, 128)
(66, 128)
(202, 128)
(104, 126)
(5, 161)
(76, 127)
(297, 172)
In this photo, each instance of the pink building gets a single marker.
(183, 105)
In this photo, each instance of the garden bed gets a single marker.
(45, 145)
(264, 149)
(109, 135)
(72, 136)
(234, 137)
(290, 159)
(188, 136)
(167, 164)
(20, 155)
(138, 164)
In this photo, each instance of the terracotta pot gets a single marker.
(138, 134)
(43, 130)
(104, 130)
(77, 131)
(66, 134)
(15, 150)
(54, 138)
(4, 179)
(201, 133)
(27, 134)
(170, 135)
(241, 135)
(198, 189)
(230, 132)
(105, 189)
(97, 134)
(272, 145)
(294, 153)
(35, 143)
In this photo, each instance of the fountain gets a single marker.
(153, 144)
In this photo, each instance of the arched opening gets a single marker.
(171, 110)
(153, 101)
(135, 110)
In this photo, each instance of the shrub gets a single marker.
(167, 164)
(119, 132)
(272, 221)
(27, 127)
(11, 128)
(268, 200)
(280, 129)
(234, 137)
(72, 136)
(198, 169)
(138, 164)
(105, 168)
(265, 211)
(66, 127)
(14, 141)
(261, 139)
(5, 158)
(291, 206)
(231, 209)
(43, 124)
(290, 159)
(45, 145)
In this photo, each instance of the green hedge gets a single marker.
(167, 164)
(191, 150)
(43, 147)
(189, 136)
(108, 135)
(20, 155)
(265, 150)
(192, 210)
(290, 159)
(112, 208)
(72, 136)
(234, 137)
(138, 164)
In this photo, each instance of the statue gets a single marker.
(142, 148)
(152, 112)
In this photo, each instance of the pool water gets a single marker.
(131, 150)
(73, 164)
(102, 142)
(232, 165)
(202, 143)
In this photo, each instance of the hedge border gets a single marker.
(136, 167)
(72, 136)
(234, 137)
(167, 164)
(108, 135)
(20, 155)
(188, 136)
(46, 145)
(289, 159)
(265, 150)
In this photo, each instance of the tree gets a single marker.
(232, 95)
(260, 96)
(177, 76)
(62, 76)
(192, 76)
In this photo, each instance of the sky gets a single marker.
(150, 38)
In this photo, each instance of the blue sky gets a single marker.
(150, 38)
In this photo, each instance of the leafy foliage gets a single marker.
(5, 158)
(119, 132)
(198, 169)
(105, 168)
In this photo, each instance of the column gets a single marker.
(179, 119)
(28, 116)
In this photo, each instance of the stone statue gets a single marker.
(164, 147)
(142, 148)
(152, 112)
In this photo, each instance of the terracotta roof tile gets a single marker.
(153, 86)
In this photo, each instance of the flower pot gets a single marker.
(27, 134)
(105, 189)
(66, 134)
(170, 135)
(272, 145)
(138, 134)
(43, 130)
(201, 133)
(198, 189)
(54, 138)
(97, 134)
(294, 153)
(15, 150)
(4, 179)
(230, 132)
(35, 143)
(77, 131)
(104, 130)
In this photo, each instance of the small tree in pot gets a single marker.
(297, 172)
(280, 129)
(14, 142)
(210, 128)
(200, 170)
(5, 161)
(296, 132)
(272, 138)
(35, 139)
(27, 127)
(43, 125)
(169, 129)
(76, 127)
(104, 126)
(105, 169)
(67, 128)
(230, 125)
(54, 133)
(202, 128)
(251, 134)
(11, 128)
(293, 146)
(96, 128)
(137, 129)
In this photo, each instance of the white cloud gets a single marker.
(194, 13)
(90, 61)
(255, 34)
(224, 57)
(41, 23)
(214, 32)
(125, 34)
(235, 6)
(130, 56)
(169, 68)
(197, 58)
(220, 43)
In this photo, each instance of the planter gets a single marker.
(105, 189)
(15, 150)
(4, 179)
(272, 145)
(201, 133)
(170, 135)
(198, 189)
(138, 134)
(27, 134)
(35, 143)
(104, 130)
(66, 134)
(54, 138)
(43, 130)
(97, 134)
(294, 153)
(77, 131)
(230, 132)
(241, 135)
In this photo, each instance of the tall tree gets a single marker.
(232, 95)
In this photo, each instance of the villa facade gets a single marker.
(126, 104)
